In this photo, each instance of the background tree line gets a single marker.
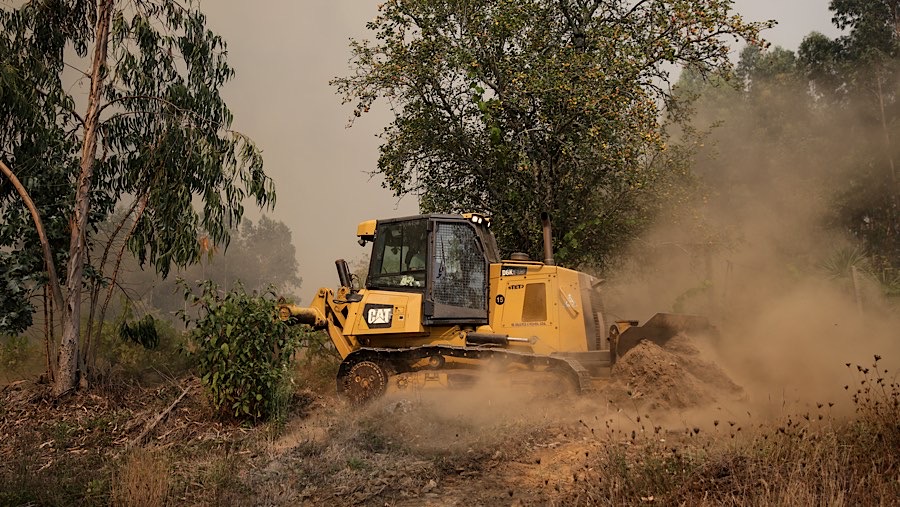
(818, 125)
(518, 107)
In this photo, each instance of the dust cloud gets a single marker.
(482, 418)
(750, 250)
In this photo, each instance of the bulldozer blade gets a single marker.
(660, 329)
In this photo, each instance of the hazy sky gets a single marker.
(285, 52)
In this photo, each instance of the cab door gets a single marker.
(457, 289)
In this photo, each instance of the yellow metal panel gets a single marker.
(509, 283)
(405, 313)
(563, 329)
(366, 230)
(571, 312)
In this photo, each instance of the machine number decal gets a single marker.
(500, 299)
(378, 316)
(513, 270)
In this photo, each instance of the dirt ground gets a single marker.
(478, 446)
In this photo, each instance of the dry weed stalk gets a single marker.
(806, 458)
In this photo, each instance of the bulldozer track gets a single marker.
(399, 360)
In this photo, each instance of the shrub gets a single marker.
(243, 350)
(120, 358)
(142, 332)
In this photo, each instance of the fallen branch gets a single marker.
(156, 421)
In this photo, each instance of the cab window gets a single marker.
(399, 255)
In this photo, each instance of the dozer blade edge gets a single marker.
(659, 330)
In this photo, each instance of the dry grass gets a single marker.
(142, 480)
(457, 448)
(396, 449)
(810, 458)
(316, 369)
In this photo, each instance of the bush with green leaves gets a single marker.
(148, 350)
(243, 350)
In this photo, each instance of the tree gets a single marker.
(155, 132)
(260, 257)
(266, 257)
(859, 74)
(515, 108)
(768, 146)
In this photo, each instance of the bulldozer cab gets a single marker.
(443, 257)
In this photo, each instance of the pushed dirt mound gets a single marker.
(673, 376)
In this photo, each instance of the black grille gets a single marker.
(459, 270)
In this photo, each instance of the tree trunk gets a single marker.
(887, 134)
(54, 287)
(49, 340)
(71, 332)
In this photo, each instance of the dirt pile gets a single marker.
(673, 376)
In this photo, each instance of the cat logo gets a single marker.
(378, 316)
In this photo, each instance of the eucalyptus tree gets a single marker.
(110, 103)
(519, 107)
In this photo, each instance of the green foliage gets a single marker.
(243, 350)
(515, 108)
(842, 262)
(16, 281)
(119, 358)
(143, 332)
(170, 134)
(34, 142)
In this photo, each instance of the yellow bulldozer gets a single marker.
(439, 302)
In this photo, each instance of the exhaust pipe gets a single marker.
(343, 273)
(548, 240)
